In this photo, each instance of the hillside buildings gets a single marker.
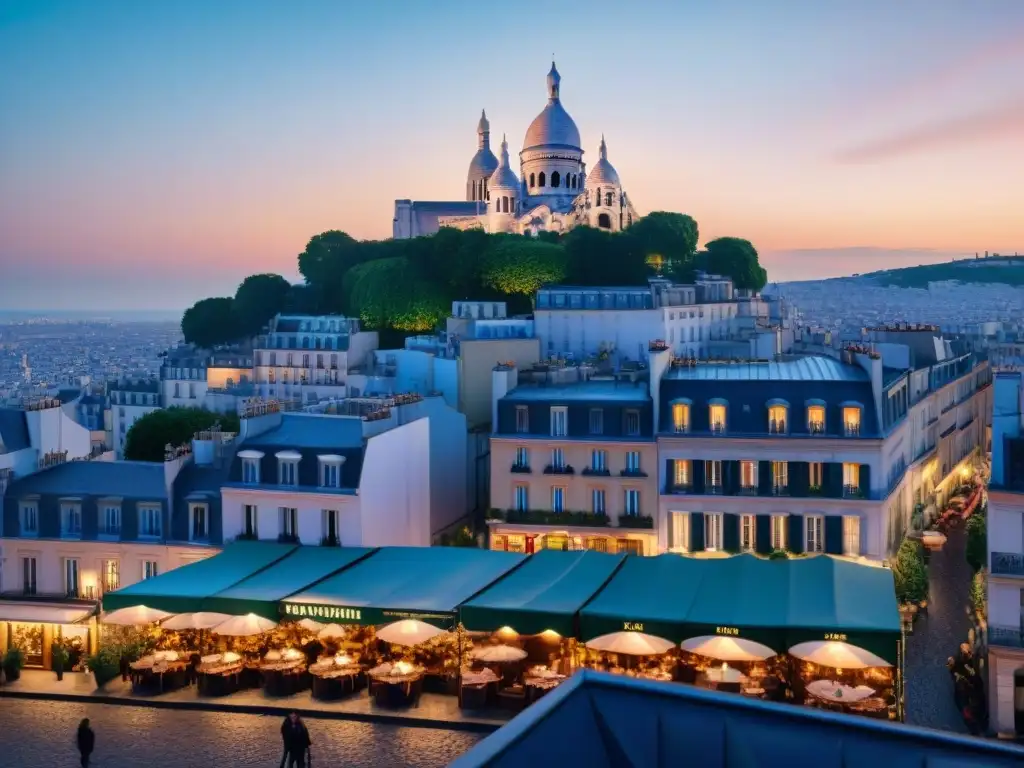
(829, 452)
(1006, 553)
(553, 192)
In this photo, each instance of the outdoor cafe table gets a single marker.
(839, 693)
(159, 676)
(331, 681)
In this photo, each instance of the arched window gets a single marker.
(597, 200)
(541, 179)
(604, 221)
(572, 180)
(533, 181)
(555, 179)
(608, 199)
(504, 204)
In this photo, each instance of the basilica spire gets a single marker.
(483, 131)
(553, 81)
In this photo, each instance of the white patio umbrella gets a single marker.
(498, 654)
(134, 616)
(726, 648)
(200, 620)
(244, 626)
(332, 632)
(631, 643)
(310, 625)
(832, 653)
(408, 632)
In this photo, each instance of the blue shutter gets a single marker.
(731, 533)
(865, 480)
(696, 531)
(697, 467)
(833, 534)
(763, 537)
(795, 534)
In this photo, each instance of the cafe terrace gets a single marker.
(738, 623)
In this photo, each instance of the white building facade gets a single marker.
(552, 193)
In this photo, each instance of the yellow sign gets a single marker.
(731, 631)
(837, 636)
(322, 611)
(633, 626)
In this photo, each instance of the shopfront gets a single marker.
(35, 627)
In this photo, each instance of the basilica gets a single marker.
(553, 192)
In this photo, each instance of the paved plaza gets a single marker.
(42, 733)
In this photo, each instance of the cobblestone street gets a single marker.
(41, 734)
(936, 637)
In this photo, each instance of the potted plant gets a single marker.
(60, 657)
(14, 660)
(105, 665)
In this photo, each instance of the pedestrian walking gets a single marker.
(296, 740)
(86, 741)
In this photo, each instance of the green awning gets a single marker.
(545, 592)
(184, 589)
(426, 583)
(742, 596)
(262, 592)
(832, 599)
(776, 602)
(647, 594)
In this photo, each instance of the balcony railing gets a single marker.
(548, 517)
(851, 430)
(816, 428)
(330, 540)
(598, 471)
(713, 489)
(1007, 564)
(748, 490)
(680, 429)
(633, 472)
(718, 428)
(1011, 637)
(680, 488)
(521, 469)
(636, 521)
(777, 427)
(780, 490)
(555, 469)
(852, 492)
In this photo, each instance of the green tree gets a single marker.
(210, 322)
(390, 292)
(521, 265)
(910, 573)
(258, 299)
(324, 263)
(597, 257)
(666, 238)
(976, 549)
(735, 258)
(148, 437)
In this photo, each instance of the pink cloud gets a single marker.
(1000, 122)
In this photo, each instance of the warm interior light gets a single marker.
(550, 634)
(508, 632)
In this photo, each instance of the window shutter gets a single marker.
(763, 538)
(697, 467)
(865, 480)
(795, 534)
(764, 478)
(730, 477)
(833, 480)
(670, 475)
(799, 478)
(696, 531)
(731, 533)
(833, 534)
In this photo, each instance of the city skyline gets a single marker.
(157, 156)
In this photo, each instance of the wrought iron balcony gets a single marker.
(554, 469)
(599, 471)
(521, 469)
(713, 489)
(777, 427)
(1007, 564)
(851, 430)
(747, 490)
(680, 488)
(780, 490)
(852, 492)
(717, 428)
(816, 428)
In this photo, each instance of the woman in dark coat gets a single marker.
(86, 741)
(296, 741)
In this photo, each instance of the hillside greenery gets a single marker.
(151, 434)
(400, 287)
(1007, 270)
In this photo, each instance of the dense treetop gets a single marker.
(408, 285)
(151, 434)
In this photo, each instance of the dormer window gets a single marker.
(29, 518)
(778, 413)
(681, 417)
(250, 466)
(851, 420)
(330, 470)
(716, 417)
(288, 467)
(816, 419)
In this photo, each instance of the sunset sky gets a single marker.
(152, 153)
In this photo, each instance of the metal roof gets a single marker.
(810, 368)
(127, 479)
(584, 390)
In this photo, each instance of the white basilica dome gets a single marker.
(553, 125)
(603, 173)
